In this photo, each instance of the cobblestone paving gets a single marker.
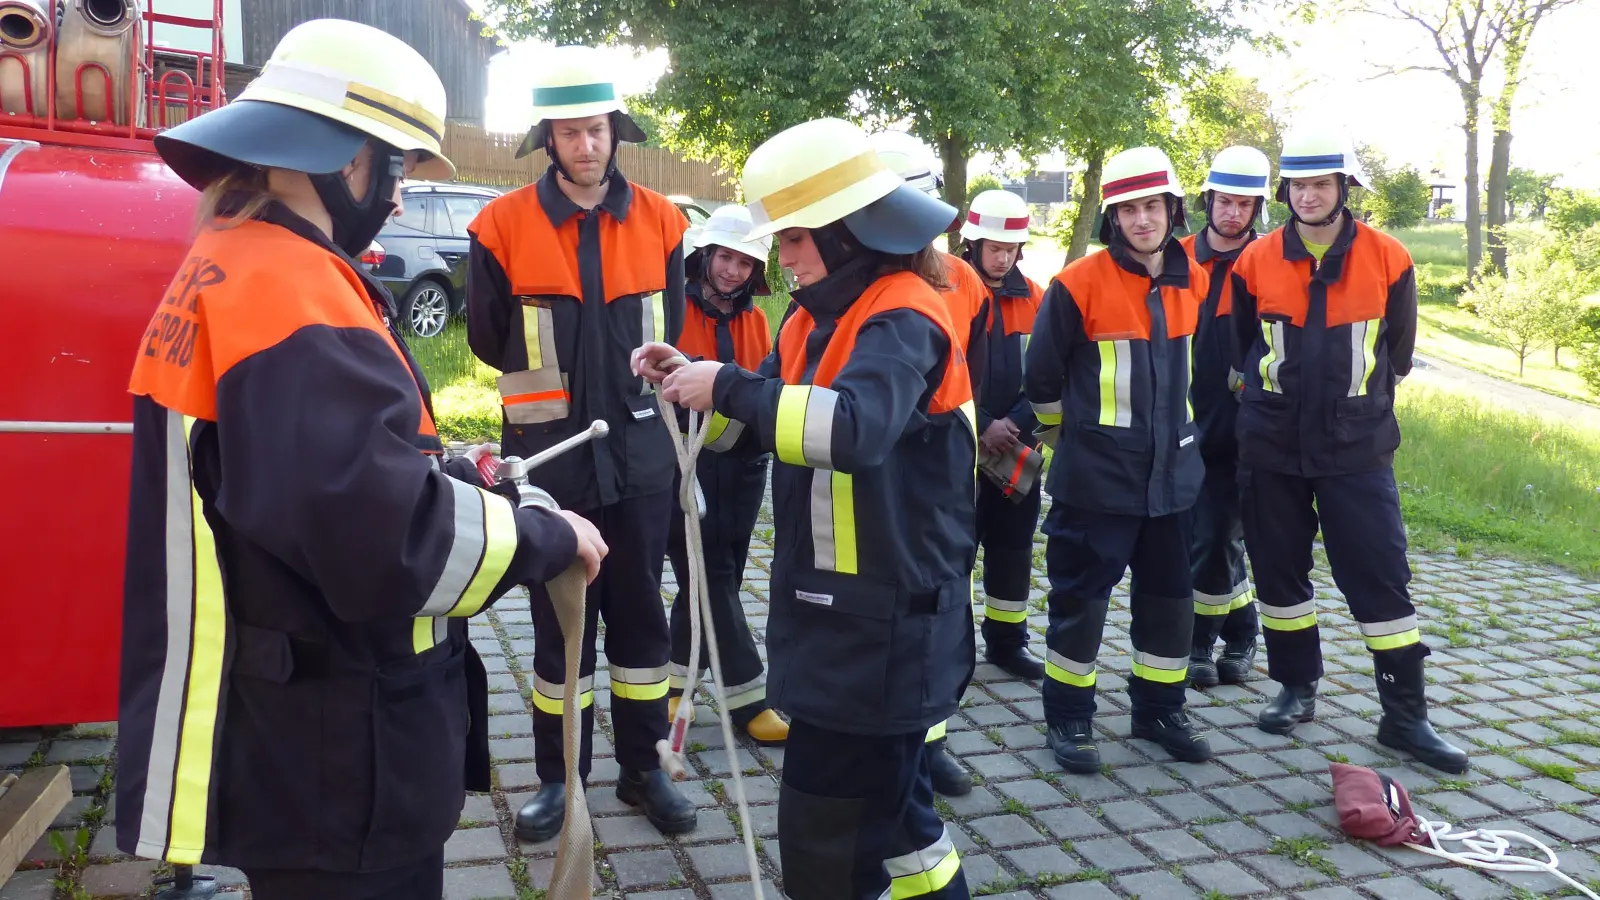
(1515, 676)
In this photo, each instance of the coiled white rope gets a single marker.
(1487, 848)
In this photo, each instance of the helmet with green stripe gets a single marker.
(575, 83)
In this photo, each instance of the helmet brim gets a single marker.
(628, 131)
(258, 133)
(903, 221)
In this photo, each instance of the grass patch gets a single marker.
(1504, 483)
(1565, 774)
(1305, 851)
(1435, 244)
(1448, 332)
(465, 401)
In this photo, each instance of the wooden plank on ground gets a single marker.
(26, 810)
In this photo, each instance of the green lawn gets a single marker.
(1491, 482)
(1450, 333)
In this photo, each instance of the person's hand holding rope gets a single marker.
(688, 384)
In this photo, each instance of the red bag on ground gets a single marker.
(1373, 806)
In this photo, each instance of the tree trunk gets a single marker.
(1557, 349)
(955, 151)
(1499, 174)
(1522, 359)
(1470, 97)
(1089, 207)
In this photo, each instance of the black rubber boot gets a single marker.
(1018, 662)
(540, 819)
(664, 805)
(949, 779)
(1404, 725)
(1295, 703)
(1176, 735)
(1072, 742)
(1202, 671)
(1237, 662)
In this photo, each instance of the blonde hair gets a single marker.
(245, 189)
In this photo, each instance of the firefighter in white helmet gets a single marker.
(299, 697)
(1109, 365)
(1010, 455)
(967, 300)
(565, 277)
(1325, 317)
(1235, 194)
(727, 270)
(866, 403)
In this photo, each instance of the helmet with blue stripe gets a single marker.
(1241, 171)
(1312, 151)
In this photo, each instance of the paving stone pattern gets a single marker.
(1514, 675)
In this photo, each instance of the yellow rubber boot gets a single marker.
(767, 728)
(672, 709)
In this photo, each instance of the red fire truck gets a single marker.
(92, 228)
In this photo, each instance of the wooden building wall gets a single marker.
(441, 30)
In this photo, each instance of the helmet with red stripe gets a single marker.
(1133, 175)
(997, 216)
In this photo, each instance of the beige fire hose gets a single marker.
(572, 878)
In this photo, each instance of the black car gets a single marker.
(421, 255)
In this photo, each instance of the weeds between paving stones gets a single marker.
(1303, 851)
(74, 853)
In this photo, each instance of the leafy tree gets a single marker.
(1399, 199)
(1527, 191)
(1468, 35)
(1538, 303)
(1571, 211)
(1223, 110)
(984, 182)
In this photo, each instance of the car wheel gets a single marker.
(425, 309)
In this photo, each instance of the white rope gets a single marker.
(1487, 849)
(671, 753)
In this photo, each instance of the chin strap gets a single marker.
(357, 222)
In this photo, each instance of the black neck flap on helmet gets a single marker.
(1338, 208)
(1211, 220)
(1111, 231)
(357, 222)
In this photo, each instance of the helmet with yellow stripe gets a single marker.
(1133, 175)
(826, 171)
(330, 88)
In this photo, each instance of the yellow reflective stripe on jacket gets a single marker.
(539, 335)
(1116, 383)
(547, 694)
(924, 871)
(1047, 413)
(653, 323)
(1160, 669)
(1069, 671)
(1289, 618)
(1391, 635)
(803, 434)
(723, 433)
(177, 789)
(485, 539)
(638, 684)
(428, 632)
(1188, 387)
(1363, 358)
(1005, 610)
(833, 522)
(1272, 333)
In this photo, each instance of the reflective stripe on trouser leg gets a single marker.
(1005, 531)
(1280, 524)
(548, 683)
(1162, 605)
(636, 642)
(1085, 556)
(851, 808)
(937, 733)
(1366, 544)
(923, 872)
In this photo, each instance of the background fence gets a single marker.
(488, 158)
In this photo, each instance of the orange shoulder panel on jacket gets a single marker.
(1111, 300)
(633, 254)
(966, 295)
(242, 290)
(539, 259)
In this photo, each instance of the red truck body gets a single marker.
(92, 228)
